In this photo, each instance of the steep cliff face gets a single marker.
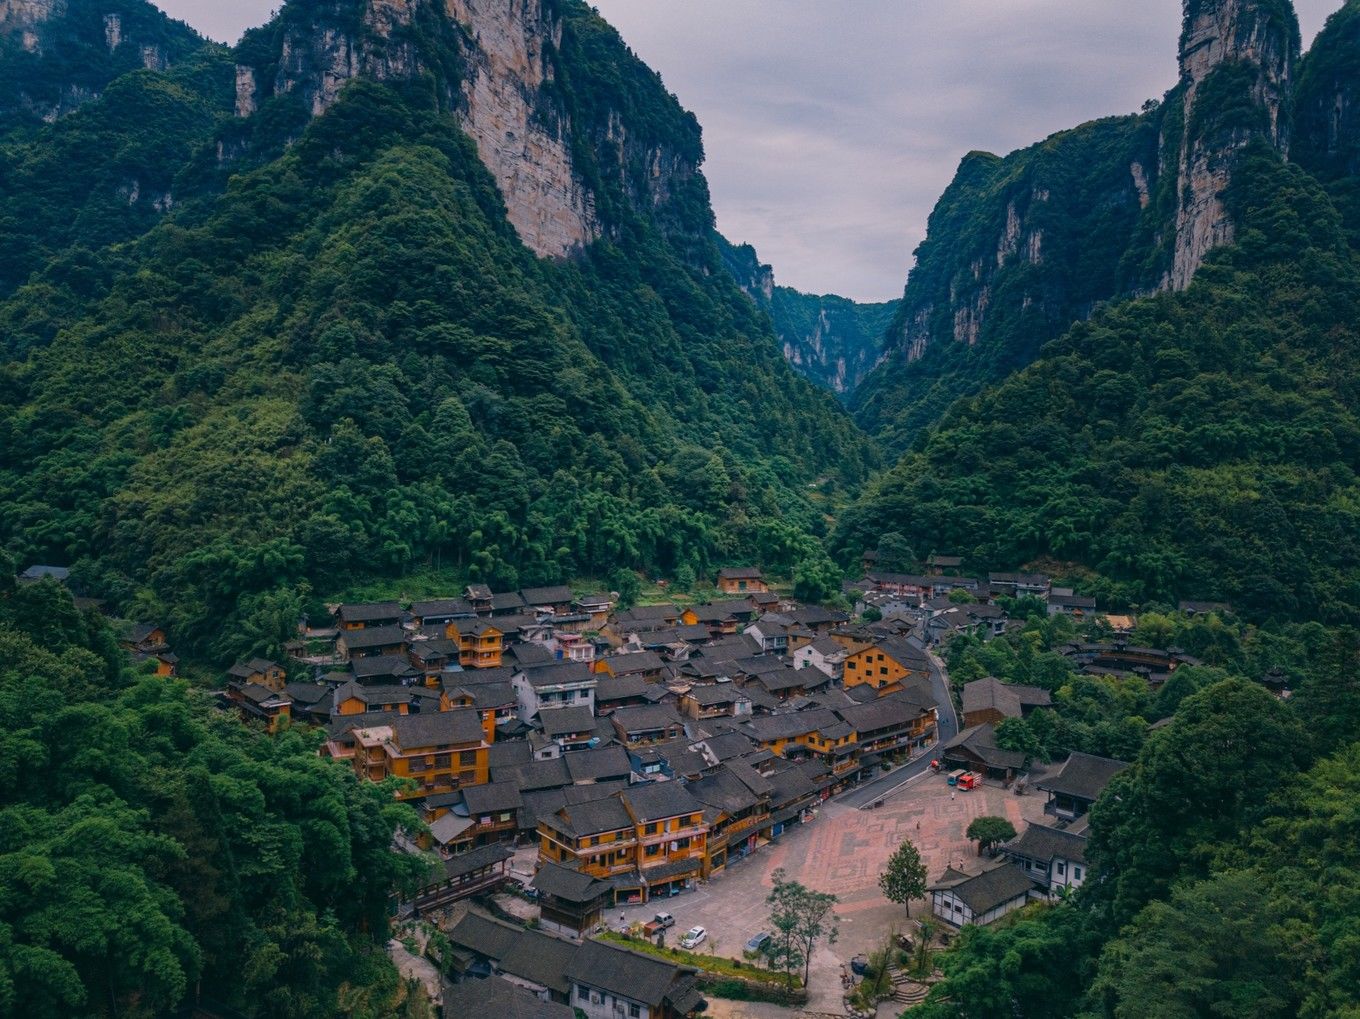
(1236, 62)
(56, 55)
(1019, 248)
(1016, 249)
(831, 340)
(565, 155)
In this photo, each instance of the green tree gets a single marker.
(800, 918)
(628, 586)
(1216, 947)
(989, 831)
(904, 877)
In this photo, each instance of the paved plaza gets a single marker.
(842, 851)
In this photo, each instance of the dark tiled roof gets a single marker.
(632, 664)
(558, 673)
(566, 721)
(491, 798)
(307, 693)
(655, 800)
(1040, 842)
(774, 727)
(509, 753)
(711, 694)
(724, 790)
(367, 612)
(883, 713)
(549, 774)
(981, 741)
(440, 608)
(635, 976)
(593, 817)
(620, 688)
(484, 935)
(506, 600)
(437, 728)
(540, 959)
(546, 595)
(740, 573)
(567, 884)
(476, 859)
(593, 765)
(382, 665)
(1009, 699)
(645, 718)
(374, 636)
(1083, 776)
(498, 997)
(993, 887)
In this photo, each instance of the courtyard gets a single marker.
(842, 851)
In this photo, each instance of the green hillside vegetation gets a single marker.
(151, 847)
(1201, 445)
(342, 364)
(1076, 192)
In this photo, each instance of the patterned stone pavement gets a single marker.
(843, 851)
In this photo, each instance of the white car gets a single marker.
(694, 937)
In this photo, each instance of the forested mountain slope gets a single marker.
(832, 340)
(337, 354)
(1195, 444)
(154, 850)
(1019, 248)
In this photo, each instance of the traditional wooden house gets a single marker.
(439, 751)
(480, 642)
(990, 700)
(975, 749)
(959, 898)
(1079, 783)
(570, 901)
(370, 641)
(261, 704)
(610, 982)
(741, 579)
(886, 665)
(367, 615)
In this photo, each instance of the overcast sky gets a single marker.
(832, 128)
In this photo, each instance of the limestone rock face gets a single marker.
(529, 154)
(501, 93)
(71, 49)
(1259, 43)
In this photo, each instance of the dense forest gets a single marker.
(150, 845)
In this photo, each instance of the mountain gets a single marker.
(56, 55)
(1199, 441)
(391, 287)
(1019, 248)
(831, 340)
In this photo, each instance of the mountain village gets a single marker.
(583, 767)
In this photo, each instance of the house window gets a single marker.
(653, 850)
(651, 829)
(634, 1011)
(582, 992)
(468, 759)
(1076, 873)
(1061, 868)
(882, 670)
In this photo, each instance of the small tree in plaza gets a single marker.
(904, 878)
(990, 831)
(800, 918)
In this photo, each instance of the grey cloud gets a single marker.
(832, 128)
